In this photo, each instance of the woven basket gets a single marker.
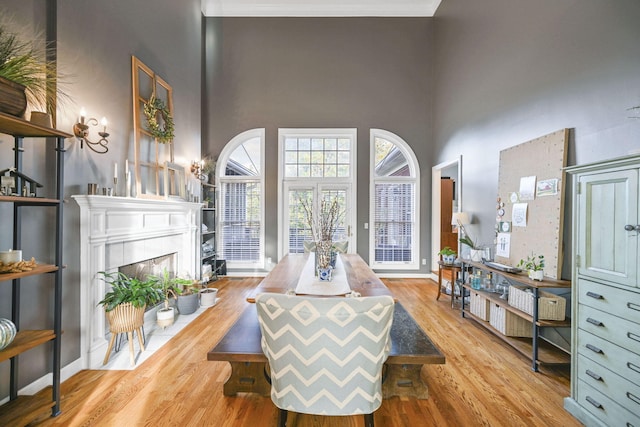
(479, 306)
(125, 317)
(508, 323)
(550, 306)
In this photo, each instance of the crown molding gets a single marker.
(307, 8)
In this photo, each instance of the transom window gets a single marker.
(317, 157)
(394, 210)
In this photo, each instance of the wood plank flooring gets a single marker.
(483, 383)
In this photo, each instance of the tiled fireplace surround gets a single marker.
(116, 231)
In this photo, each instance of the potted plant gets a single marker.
(24, 74)
(534, 264)
(188, 292)
(124, 306)
(448, 255)
(169, 287)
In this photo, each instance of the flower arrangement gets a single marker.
(323, 225)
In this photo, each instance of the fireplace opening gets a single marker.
(151, 267)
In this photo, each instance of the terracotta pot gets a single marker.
(13, 99)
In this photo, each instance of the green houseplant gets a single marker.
(124, 306)
(169, 286)
(26, 76)
(448, 255)
(534, 264)
(187, 301)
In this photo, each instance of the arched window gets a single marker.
(394, 211)
(241, 216)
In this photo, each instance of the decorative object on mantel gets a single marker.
(161, 130)
(7, 332)
(534, 266)
(81, 131)
(323, 225)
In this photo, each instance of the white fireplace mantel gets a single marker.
(116, 231)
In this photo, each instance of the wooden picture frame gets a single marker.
(174, 181)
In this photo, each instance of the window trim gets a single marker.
(352, 134)
(221, 178)
(414, 177)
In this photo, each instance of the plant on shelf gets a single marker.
(448, 255)
(534, 264)
(23, 65)
(169, 287)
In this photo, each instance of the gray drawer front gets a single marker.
(619, 331)
(619, 360)
(604, 408)
(615, 387)
(625, 304)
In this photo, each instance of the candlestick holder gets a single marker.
(127, 183)
(115, 185)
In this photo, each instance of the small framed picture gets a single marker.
(174, 181)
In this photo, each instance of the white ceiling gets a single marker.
(320, 7)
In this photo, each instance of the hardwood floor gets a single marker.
(483, 383)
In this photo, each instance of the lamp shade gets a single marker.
(460, 218)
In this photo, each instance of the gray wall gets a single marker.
(95, 44)
(511, 71)
(327, 72)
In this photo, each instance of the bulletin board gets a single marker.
(531, 182)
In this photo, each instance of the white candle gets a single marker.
(115, 170)
(126, 166)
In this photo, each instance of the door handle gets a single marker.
(630, 227)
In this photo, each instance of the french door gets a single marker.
(296, 228)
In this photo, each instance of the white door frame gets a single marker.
(436, 175)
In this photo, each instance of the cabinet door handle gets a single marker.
(594, 321)
(594, 295)
(593, 375)
(633, 306)
(632, 397)
(594, 348)
(631, 227)
(633, 367)
(633, 336)
(594, 402)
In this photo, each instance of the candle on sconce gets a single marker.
(115, 170)
(83, 114)
(126, 166)
(103, 122)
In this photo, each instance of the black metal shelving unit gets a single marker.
(208, 217)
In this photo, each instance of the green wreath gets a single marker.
(151, 110)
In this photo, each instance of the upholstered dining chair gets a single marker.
(325, 354)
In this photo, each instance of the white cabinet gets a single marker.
(605, 378)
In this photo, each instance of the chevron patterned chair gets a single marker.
(325, 354)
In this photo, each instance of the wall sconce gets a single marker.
(81, 131)
(196, 169)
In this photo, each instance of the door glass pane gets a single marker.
(299, 229)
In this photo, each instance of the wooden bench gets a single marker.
(411, 348)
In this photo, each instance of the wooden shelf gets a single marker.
(12, 125)
(26, 340)
(494, 297)
(19, 412)
(36, 201)
(39, 269)
(548, 354)
(522, 277)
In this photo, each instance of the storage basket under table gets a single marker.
(479, 306)
(550, 306)
(509, 324)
